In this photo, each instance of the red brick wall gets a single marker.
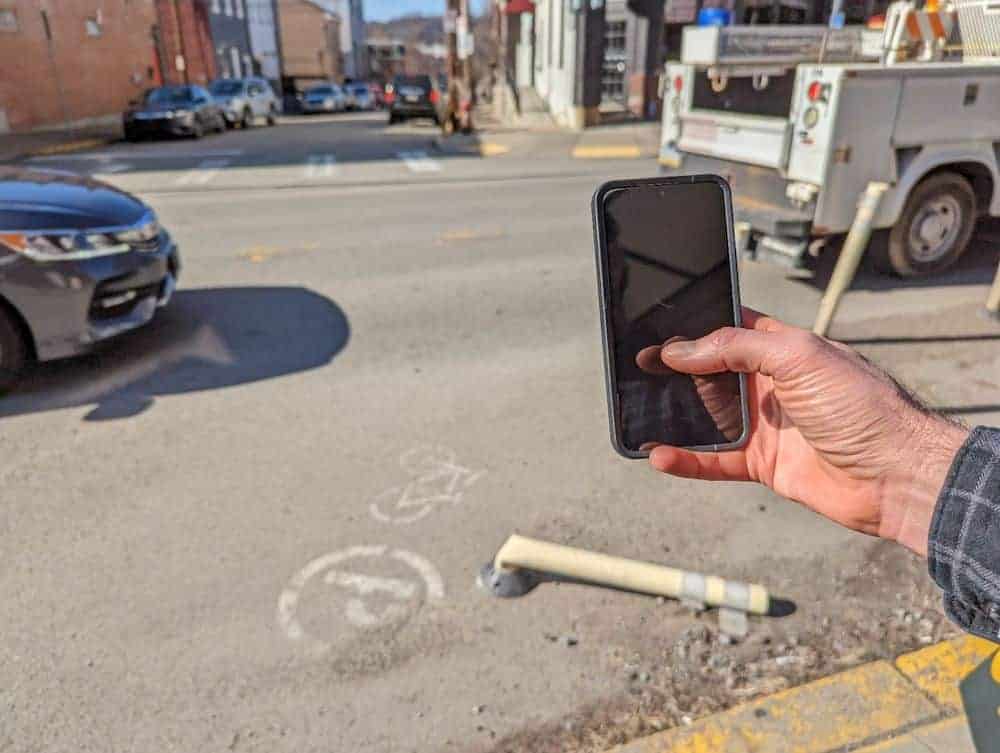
(74, 76)
(184, 32)
(310, 51)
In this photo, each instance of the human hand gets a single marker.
(827, 429)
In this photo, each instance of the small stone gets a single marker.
(726, 640)
(570, 640)
(925, 639)
(760, 713)
(644, 677)
(478, 709)
(660, 600)
(762, 508)
(551, 637)
(686, 720)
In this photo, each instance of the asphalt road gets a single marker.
(256, 524)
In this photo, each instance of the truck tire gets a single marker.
(933, 230)
(13, 351)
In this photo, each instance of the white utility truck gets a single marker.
(801, 119)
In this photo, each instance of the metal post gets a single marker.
(850, 256)
(993, 299)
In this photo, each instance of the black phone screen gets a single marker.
(668, 276)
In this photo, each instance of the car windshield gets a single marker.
(169, 95)
(226, 88)
(358, 89)
(320, 91)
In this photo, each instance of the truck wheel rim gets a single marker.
(935, 228)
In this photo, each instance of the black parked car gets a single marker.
(414, 97)
(80, 261)
(174, 111)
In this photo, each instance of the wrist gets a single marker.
(910, 498)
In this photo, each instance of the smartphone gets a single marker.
(666, 261)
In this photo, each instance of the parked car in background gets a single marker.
(413, 97)
(359, 96)
(80, 262)
(173, 111)
(245, 99)
(324, 98)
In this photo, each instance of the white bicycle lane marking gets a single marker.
(437, 479)
(339, 572)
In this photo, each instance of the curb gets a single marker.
(872, 704)
(469, 144)
(608, 151)
(67, 147)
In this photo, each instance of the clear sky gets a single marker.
(382, 10)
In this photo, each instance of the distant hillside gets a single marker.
(412, 29)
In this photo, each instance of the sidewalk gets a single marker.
(911, 705)
(14, 146)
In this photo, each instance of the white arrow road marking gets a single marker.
(419, 162)
(321, 166)
(202, 174)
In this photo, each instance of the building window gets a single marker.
(8, 20)
(216, 6)
(613, 70)
(239, 8)
(229, 7)
(93, 27)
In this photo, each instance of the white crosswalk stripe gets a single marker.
(419, 162)
(320, 166)
(111, 168)
(202, 174)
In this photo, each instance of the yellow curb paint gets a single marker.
(912, 740)
(491, 149)
(844, 709)
(606, 152)
(70, 146)
(937, 669)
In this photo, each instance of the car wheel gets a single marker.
(933, 230)
(247, 119)
(13, 351)
(393, 118)
(272, 116)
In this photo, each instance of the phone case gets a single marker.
(603, 284)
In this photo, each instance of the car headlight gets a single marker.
(180, 114)
(47, 247)
(328, 101)
(145, 233)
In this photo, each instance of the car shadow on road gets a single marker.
(206, 339)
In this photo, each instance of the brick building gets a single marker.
(310, 43)
(76, 63)
(183, 41)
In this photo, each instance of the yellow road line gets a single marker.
(917, 740)
(69, 146)
(607, 152)
(844, 709)
(492, 149)
(937, 669)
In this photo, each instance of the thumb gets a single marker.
(771, 353)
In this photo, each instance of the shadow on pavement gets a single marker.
(205, 339)
(976, 267)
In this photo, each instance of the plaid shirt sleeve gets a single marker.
(964, 542)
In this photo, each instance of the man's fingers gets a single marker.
(708, 466)
(750, 351)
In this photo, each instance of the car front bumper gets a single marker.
(71, 306)
(160, 127)
(414, 109)
(319, 107)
